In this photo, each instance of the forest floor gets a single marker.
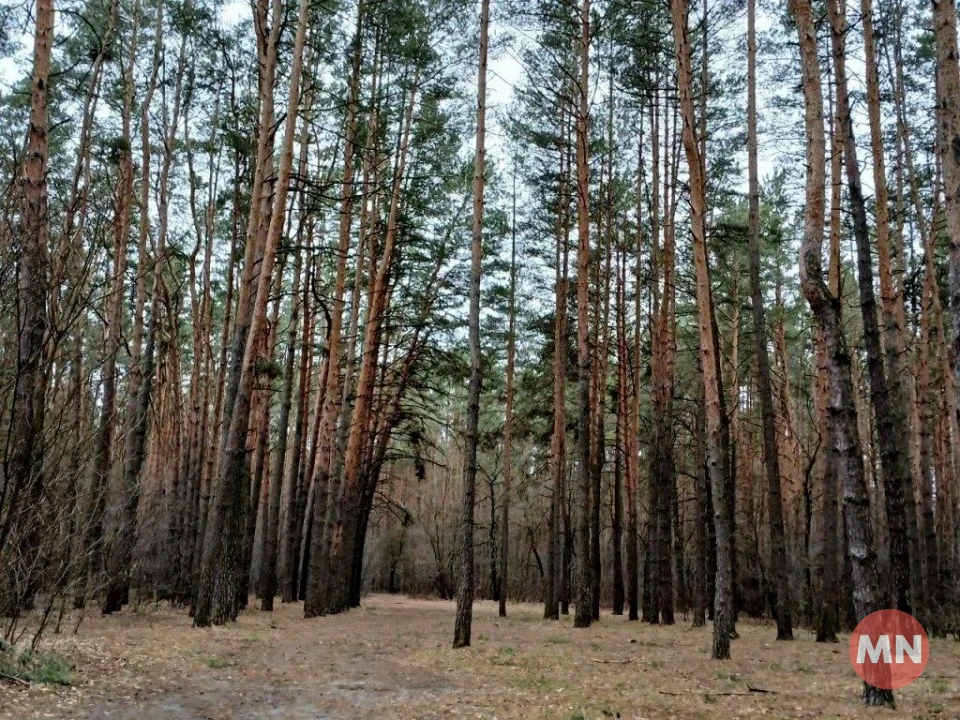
(392, 658)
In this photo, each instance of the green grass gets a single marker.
(218, 663)
(939, 685)
(729, 677)
(505, 656)
(37, 667)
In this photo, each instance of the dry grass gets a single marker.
(392, 659)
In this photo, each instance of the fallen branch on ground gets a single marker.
(14, 679)
(752, 691)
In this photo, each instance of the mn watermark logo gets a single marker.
(889, 649)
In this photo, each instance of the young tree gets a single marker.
(461, 632)
(508, 407)
(771, 453)
(554, 590)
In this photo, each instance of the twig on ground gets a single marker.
(615, 662)
(752, 691)
(14, 679)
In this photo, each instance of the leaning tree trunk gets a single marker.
(103, 442)
(342, 529)
(887, 399)
(328, 410)
(841, 414)
(216, 596)
(120, 558)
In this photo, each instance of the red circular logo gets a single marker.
(889, 649)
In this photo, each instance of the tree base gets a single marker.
(877, 697)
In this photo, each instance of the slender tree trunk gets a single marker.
(258, 443)
(778, 553)
(891, 303)
(508, 409)
(292, 488)
(933, 598)
(583, 579)
(701, 599)
(729, 465)
(932, 326)
(461, 632)
(103, 455)
(616, 530)
(825, 571)
(621, 451)
(948, 143)
(142, 374)
(728, 468)
(554, 590)
(723, 622)
(24, 457)
(268, 573)
(631, 465)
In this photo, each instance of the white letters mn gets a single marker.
(912, 650)
(881, 649)
(866, 647)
